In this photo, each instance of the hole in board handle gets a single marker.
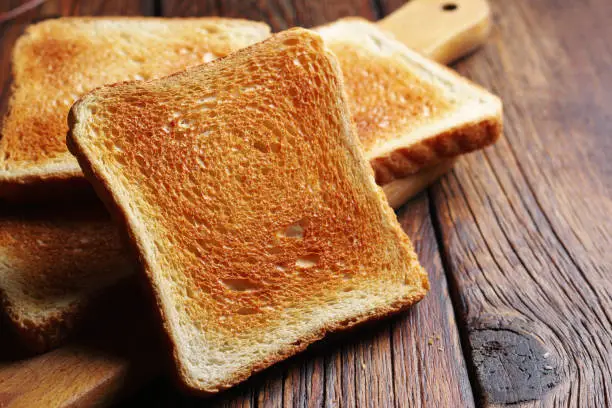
(449, 7)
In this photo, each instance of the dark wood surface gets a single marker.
(525, 226)
(520, 231)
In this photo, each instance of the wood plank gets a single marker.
(427, 343)
(525, 226)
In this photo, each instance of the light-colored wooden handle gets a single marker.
(443, 30)
(401, 190)
(70, 376)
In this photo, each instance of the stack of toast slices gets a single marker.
(246, 190)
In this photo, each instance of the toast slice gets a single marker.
(254, 213)
(56, 61)
(52, 264)
(411, 113)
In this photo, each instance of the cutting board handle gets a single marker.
(443, 30)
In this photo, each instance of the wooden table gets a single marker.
(514, 238)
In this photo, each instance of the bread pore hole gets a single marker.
(292, 231)
(142, 161)
(184, 123)
(307, 261)
(191, 292)
(303, 59)
(208, 57)
(291, 41)
(246, 311)
(262, 147)
(240, 284)
(275, 147)
(207, 103)
(274, 250)
(136, 59)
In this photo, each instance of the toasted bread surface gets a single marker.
(410, 112)
(56, 61)
(52, 262)
(252, 209)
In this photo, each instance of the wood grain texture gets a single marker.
(442, 31)
(525, 226)
(412, 360)
(279, 14)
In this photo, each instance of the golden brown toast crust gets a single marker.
(58, 60)
(52, 262)
(271, 211)
(446, 145)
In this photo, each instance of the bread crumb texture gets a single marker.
(255, 212)
(51, 264)
(388, 97)
(410, 112)
(57, 61)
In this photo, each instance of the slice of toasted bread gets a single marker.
(252, 209)
(52, 263)
(410, 112)
(56, 61)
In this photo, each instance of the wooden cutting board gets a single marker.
(120, 349)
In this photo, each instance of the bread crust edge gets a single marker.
(403, 162)
(40, 337)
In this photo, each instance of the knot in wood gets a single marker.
(512, 366)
